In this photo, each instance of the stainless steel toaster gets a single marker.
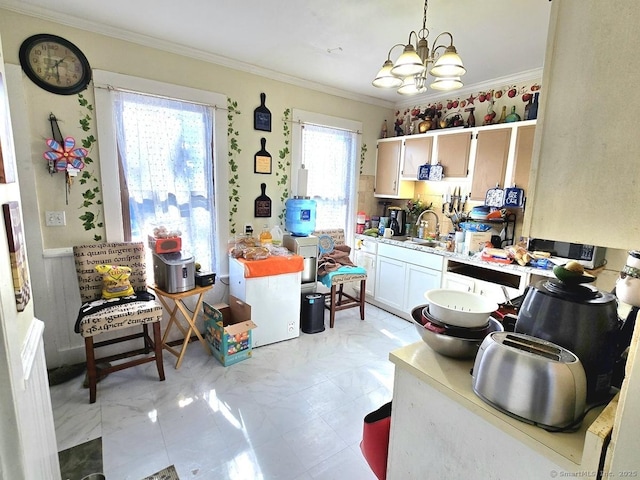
(531, 379)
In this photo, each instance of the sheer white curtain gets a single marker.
(330, 155)
(165, 149)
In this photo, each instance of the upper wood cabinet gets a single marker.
(417, 151)
(522, 156)
(487, 156)
(453, 151)
(388, 183)
(492, 152)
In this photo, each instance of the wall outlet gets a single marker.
(247, 226)
(55, 219)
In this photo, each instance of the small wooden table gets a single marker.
(190, 317)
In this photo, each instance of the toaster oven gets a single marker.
(589, 256)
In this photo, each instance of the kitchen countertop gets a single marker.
(471, 259)
(451, 377)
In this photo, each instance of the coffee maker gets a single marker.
(397, 220)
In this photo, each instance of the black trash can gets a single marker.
(312, 313)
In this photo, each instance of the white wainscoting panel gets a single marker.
(34, 410)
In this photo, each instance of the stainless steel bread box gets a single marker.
(174, 272)
(534, 380)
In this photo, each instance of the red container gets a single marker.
(165, 245)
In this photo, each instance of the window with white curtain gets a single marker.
(328, 148)
(162, 150)
(166, 166)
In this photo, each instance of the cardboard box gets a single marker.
(228, 330)
(475, 241)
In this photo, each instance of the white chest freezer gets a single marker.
(274, 300)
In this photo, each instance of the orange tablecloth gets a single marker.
(273, 265)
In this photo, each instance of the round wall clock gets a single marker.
(55, 64)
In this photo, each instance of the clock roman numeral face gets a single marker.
(55, 64)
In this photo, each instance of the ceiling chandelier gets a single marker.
(409, 72)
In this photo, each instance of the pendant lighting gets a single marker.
(409, 72)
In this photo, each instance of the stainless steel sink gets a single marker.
(422, 241)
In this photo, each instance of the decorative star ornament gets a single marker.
(65, 157)
(471, 99)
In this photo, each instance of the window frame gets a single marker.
(107, 149)
(300, 117)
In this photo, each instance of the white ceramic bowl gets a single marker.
(458, 308)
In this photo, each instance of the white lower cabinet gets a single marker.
(403, 275)
(417, 281)
(390, 282)
(367, 261)
(453, 281)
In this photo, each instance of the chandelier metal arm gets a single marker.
(435, 42)
(391, 49)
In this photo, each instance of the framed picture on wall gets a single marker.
(18, 254)
(262, 116)
(262, 159)
(7, 154)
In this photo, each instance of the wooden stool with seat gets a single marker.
(115, 317)
(338, 298)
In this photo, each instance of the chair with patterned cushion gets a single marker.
(115, 302)
(329, 240)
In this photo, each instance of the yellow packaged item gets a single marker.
(115, 281)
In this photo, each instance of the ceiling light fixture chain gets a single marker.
(409, 72)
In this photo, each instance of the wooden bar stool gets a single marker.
(332, 240)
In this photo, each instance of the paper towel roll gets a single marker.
(303, 177)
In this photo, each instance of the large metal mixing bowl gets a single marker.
(448, 345)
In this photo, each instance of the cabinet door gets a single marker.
(494, 291)
(417, 281)
(454, 281)
(522, 158)
(492, 150)
(388, 168)
(417, 151)
(453, 153)
(390, 282)
(368, 262)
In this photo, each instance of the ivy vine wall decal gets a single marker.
(234, 151)
(92, 196)
(284, 165)
(363, 150)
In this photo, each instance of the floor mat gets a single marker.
(81, 460)
(168, 473)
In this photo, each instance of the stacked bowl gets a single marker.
(454, 323)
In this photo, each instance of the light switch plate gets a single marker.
(55, 218)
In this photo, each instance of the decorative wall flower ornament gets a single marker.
(65, 156)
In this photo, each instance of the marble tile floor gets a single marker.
(293, 411)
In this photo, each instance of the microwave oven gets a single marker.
(589, 256)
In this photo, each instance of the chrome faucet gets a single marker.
(437, 221)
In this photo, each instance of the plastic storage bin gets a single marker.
(312, 313)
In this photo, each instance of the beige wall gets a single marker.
(127, 58)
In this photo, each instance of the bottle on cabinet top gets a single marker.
(265, 236)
